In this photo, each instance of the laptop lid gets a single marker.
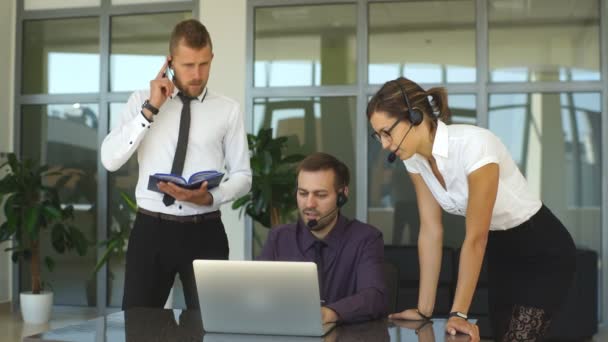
(259, 297)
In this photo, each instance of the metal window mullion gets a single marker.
(452, 88)
(482, 61)
(248, 107)
(360, 119)
(545, 87)
(102, 174)
(16, 283)
(61, 13)
(325, 91)
(603, 278)
(121, 96)
(137, 9)
(283, 3)
(38, 99)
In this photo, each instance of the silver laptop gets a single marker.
(259, 297)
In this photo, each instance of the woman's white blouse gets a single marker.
(462, 149)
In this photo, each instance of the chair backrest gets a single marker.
(391, 277)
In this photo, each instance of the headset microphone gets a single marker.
(392, 156)
(340, 202)
(313, 223)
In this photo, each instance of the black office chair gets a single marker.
(391, 277)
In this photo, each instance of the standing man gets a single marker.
(178, 127)
(349, 254)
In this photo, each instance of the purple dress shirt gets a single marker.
(353, 260)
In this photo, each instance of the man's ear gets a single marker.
(345, 191)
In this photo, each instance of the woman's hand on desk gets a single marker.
(328, 315)
(198, 196)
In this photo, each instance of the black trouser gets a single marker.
(159, 249)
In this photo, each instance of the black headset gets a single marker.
(415, 116)
(341, 199)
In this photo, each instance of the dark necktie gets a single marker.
(318, 246)
(182, 142)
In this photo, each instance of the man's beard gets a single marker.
(186, 90)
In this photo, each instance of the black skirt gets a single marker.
(532, 264)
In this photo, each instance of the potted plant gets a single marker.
(271, 200)
(32, 206)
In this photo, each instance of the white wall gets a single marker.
(226, 22)
(7, 41)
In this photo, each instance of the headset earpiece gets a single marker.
(341, 199)
(415, 116)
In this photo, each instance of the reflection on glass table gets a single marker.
(148, 324)
(422, 331)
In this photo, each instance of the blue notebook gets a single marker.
(212, 177)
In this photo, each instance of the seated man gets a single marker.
(349, 254)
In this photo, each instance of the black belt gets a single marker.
(214, 215)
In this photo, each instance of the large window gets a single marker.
(305, 45)
(428, 41)
(531, 71)
(555, 138)
(78, 67)
(544, 40)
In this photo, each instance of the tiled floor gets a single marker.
(12, 328)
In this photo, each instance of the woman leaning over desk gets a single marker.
(466, 170)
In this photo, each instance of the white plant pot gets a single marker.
(36, 308)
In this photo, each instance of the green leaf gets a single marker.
(267, 162)
(15, 256)
(12, 161)
(52, 212)
(50, 263)
(58, 238)
(79, 241)
(129, 201)
(6, 231)
(241, 201)
(106, 255)
(32, 217)
(294, 158)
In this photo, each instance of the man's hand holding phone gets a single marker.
(161, 87)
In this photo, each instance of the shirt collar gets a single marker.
(200, 97)
(441, 143)
(332, 239)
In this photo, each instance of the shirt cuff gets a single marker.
(218, 197)
(341, 310)
(148, 121)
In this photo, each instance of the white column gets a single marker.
(7, 55)
(226, 22)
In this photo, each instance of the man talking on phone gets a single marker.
(178, 126)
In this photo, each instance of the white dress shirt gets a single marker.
(217, 139)
(462, 149)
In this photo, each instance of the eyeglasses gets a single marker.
(385, 134)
